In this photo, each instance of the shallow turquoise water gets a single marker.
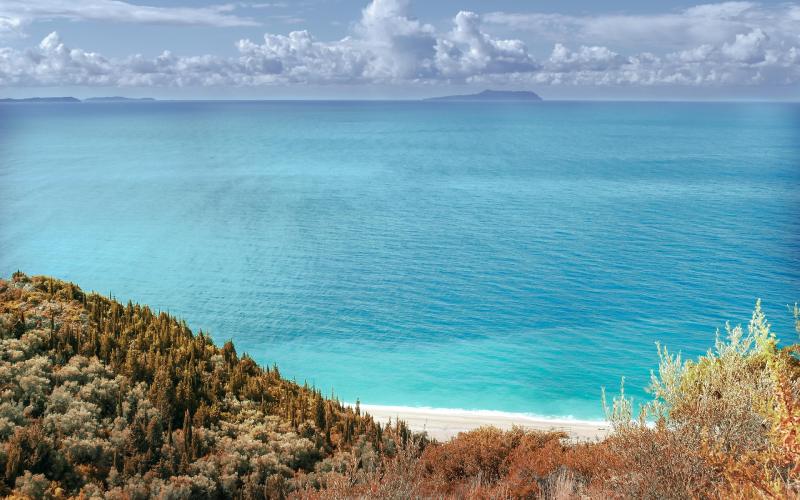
(508, 257)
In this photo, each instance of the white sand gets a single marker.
(443, 424)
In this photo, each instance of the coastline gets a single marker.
(443, 424)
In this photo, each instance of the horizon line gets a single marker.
(146, 99)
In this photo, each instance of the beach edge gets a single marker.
(444, 424)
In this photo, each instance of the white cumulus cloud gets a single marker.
(747, 47)
(731, 43)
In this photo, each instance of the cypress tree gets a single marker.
(19, 325)
(319, 413)
(187, 435)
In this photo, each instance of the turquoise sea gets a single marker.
(511, 257)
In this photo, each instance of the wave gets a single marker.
(489, 415)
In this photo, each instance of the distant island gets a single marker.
(492, 95)
(42, 99)
(74, 99)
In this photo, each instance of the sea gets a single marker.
(512, 257)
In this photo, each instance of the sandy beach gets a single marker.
(444, 424)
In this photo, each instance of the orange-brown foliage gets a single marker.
(480, 456)
(490, 463)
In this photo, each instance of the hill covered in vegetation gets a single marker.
(104, 400)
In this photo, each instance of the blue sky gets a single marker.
(399, 48)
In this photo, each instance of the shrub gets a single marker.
(725, 423)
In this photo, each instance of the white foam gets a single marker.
(478, 414)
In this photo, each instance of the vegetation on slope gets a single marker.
(98, 400)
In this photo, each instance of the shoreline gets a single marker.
(443, 424)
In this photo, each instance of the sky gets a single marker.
(384, 49)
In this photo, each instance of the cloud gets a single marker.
(24, 12)
(387, 45)
(400, 46)
(50, 62)
(10, 26)
(264, 5)
(748, 59)
(702, 24)
(747, 47)
(298, 58)
(728, 43)
(469, 51)
(584, 59)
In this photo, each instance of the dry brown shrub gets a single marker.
(658, 463)
(788, 428)
(478, 455)
(533, 461)
(593, 463)
(563, 486)
(490, 463)
(774, 473)
(728, 423)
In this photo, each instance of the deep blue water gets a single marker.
(460, 255)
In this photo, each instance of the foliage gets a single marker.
(725, 425)
(100, 398)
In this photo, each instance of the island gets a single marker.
(75, 99)
(491, 96)
(42, 99)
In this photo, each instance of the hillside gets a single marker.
(105, 400)
(100, 396)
